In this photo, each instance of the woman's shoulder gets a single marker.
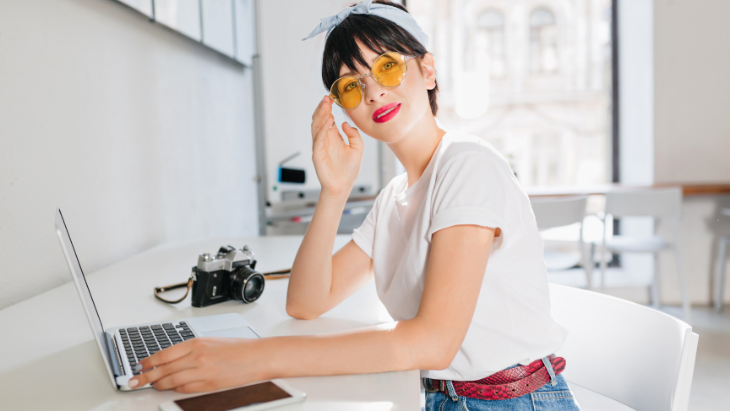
(459, 148)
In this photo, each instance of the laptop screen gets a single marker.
(82, 287)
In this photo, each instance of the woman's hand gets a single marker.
(337, 164)
(204, 364)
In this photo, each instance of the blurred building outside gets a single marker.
(533, 78)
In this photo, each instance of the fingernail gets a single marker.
(133, 383)
(137, 368)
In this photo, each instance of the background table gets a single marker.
(49, 360)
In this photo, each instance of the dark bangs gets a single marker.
(375, 33)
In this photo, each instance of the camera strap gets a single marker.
(160, 290)
(271, 275)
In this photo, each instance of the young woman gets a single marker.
(452, 245)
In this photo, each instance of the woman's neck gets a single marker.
(415, 150)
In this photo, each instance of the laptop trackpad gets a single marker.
(238, 332)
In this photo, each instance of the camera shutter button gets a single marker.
(205, 257)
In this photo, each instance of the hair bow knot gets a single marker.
(330, 22)
(393, 14)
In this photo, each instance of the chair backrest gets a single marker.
(558, 211)
(662, 203)
(633, 354)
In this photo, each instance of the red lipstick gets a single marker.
(390, 110)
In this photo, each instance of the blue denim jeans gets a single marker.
(549, 397)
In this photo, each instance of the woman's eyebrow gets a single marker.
(350, 73)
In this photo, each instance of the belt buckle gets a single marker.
(427, 386)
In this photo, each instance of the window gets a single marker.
(535, 82)
(543, 42)
(490, 37)
(545, 159)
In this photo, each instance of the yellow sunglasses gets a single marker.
(389, 70)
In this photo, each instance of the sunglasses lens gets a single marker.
(390, 69)
(346, 92)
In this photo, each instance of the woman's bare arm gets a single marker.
(428, 341)
(318, 280)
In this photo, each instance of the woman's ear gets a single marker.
(429, 70)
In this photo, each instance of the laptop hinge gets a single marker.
(114, 358)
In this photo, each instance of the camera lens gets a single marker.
(247, 285)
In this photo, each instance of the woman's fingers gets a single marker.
(178, 379)
(321, 114)
(158, 359)
(314, 115)
(321, 136)
(168, 355)
(353, 136)
(163, 371)
(320, 124)
(325, 99)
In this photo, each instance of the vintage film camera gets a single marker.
(230, 275)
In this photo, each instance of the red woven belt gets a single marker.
(510, 383)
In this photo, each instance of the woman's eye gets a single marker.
(350, 86)
(388, 65)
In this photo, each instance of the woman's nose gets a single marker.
(373, 90)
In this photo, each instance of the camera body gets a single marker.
(230, 275)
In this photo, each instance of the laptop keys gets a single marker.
(141, 342)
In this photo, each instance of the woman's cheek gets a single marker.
(358, 117)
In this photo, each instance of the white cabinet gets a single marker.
(218, 25)
(226, 26)
(244, 12)
(142, 6)
(180, 15)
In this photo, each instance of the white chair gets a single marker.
(665, 205)
(720, 266)
(551, 212)
(630, 353)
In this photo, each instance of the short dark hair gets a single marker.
(377, 34)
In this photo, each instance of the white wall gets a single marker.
(139, 135)
(692, 100)
(692, 128)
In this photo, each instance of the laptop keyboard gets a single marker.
(141, 342)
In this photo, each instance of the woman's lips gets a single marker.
(390, 110)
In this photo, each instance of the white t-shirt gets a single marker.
(466, 182)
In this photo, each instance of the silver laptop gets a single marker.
(123, 347)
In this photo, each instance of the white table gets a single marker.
(52, 362)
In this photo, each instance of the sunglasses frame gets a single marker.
(370, 73)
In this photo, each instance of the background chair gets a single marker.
(720, 266)
(551, 212)
(635, 355)
(665, 206)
